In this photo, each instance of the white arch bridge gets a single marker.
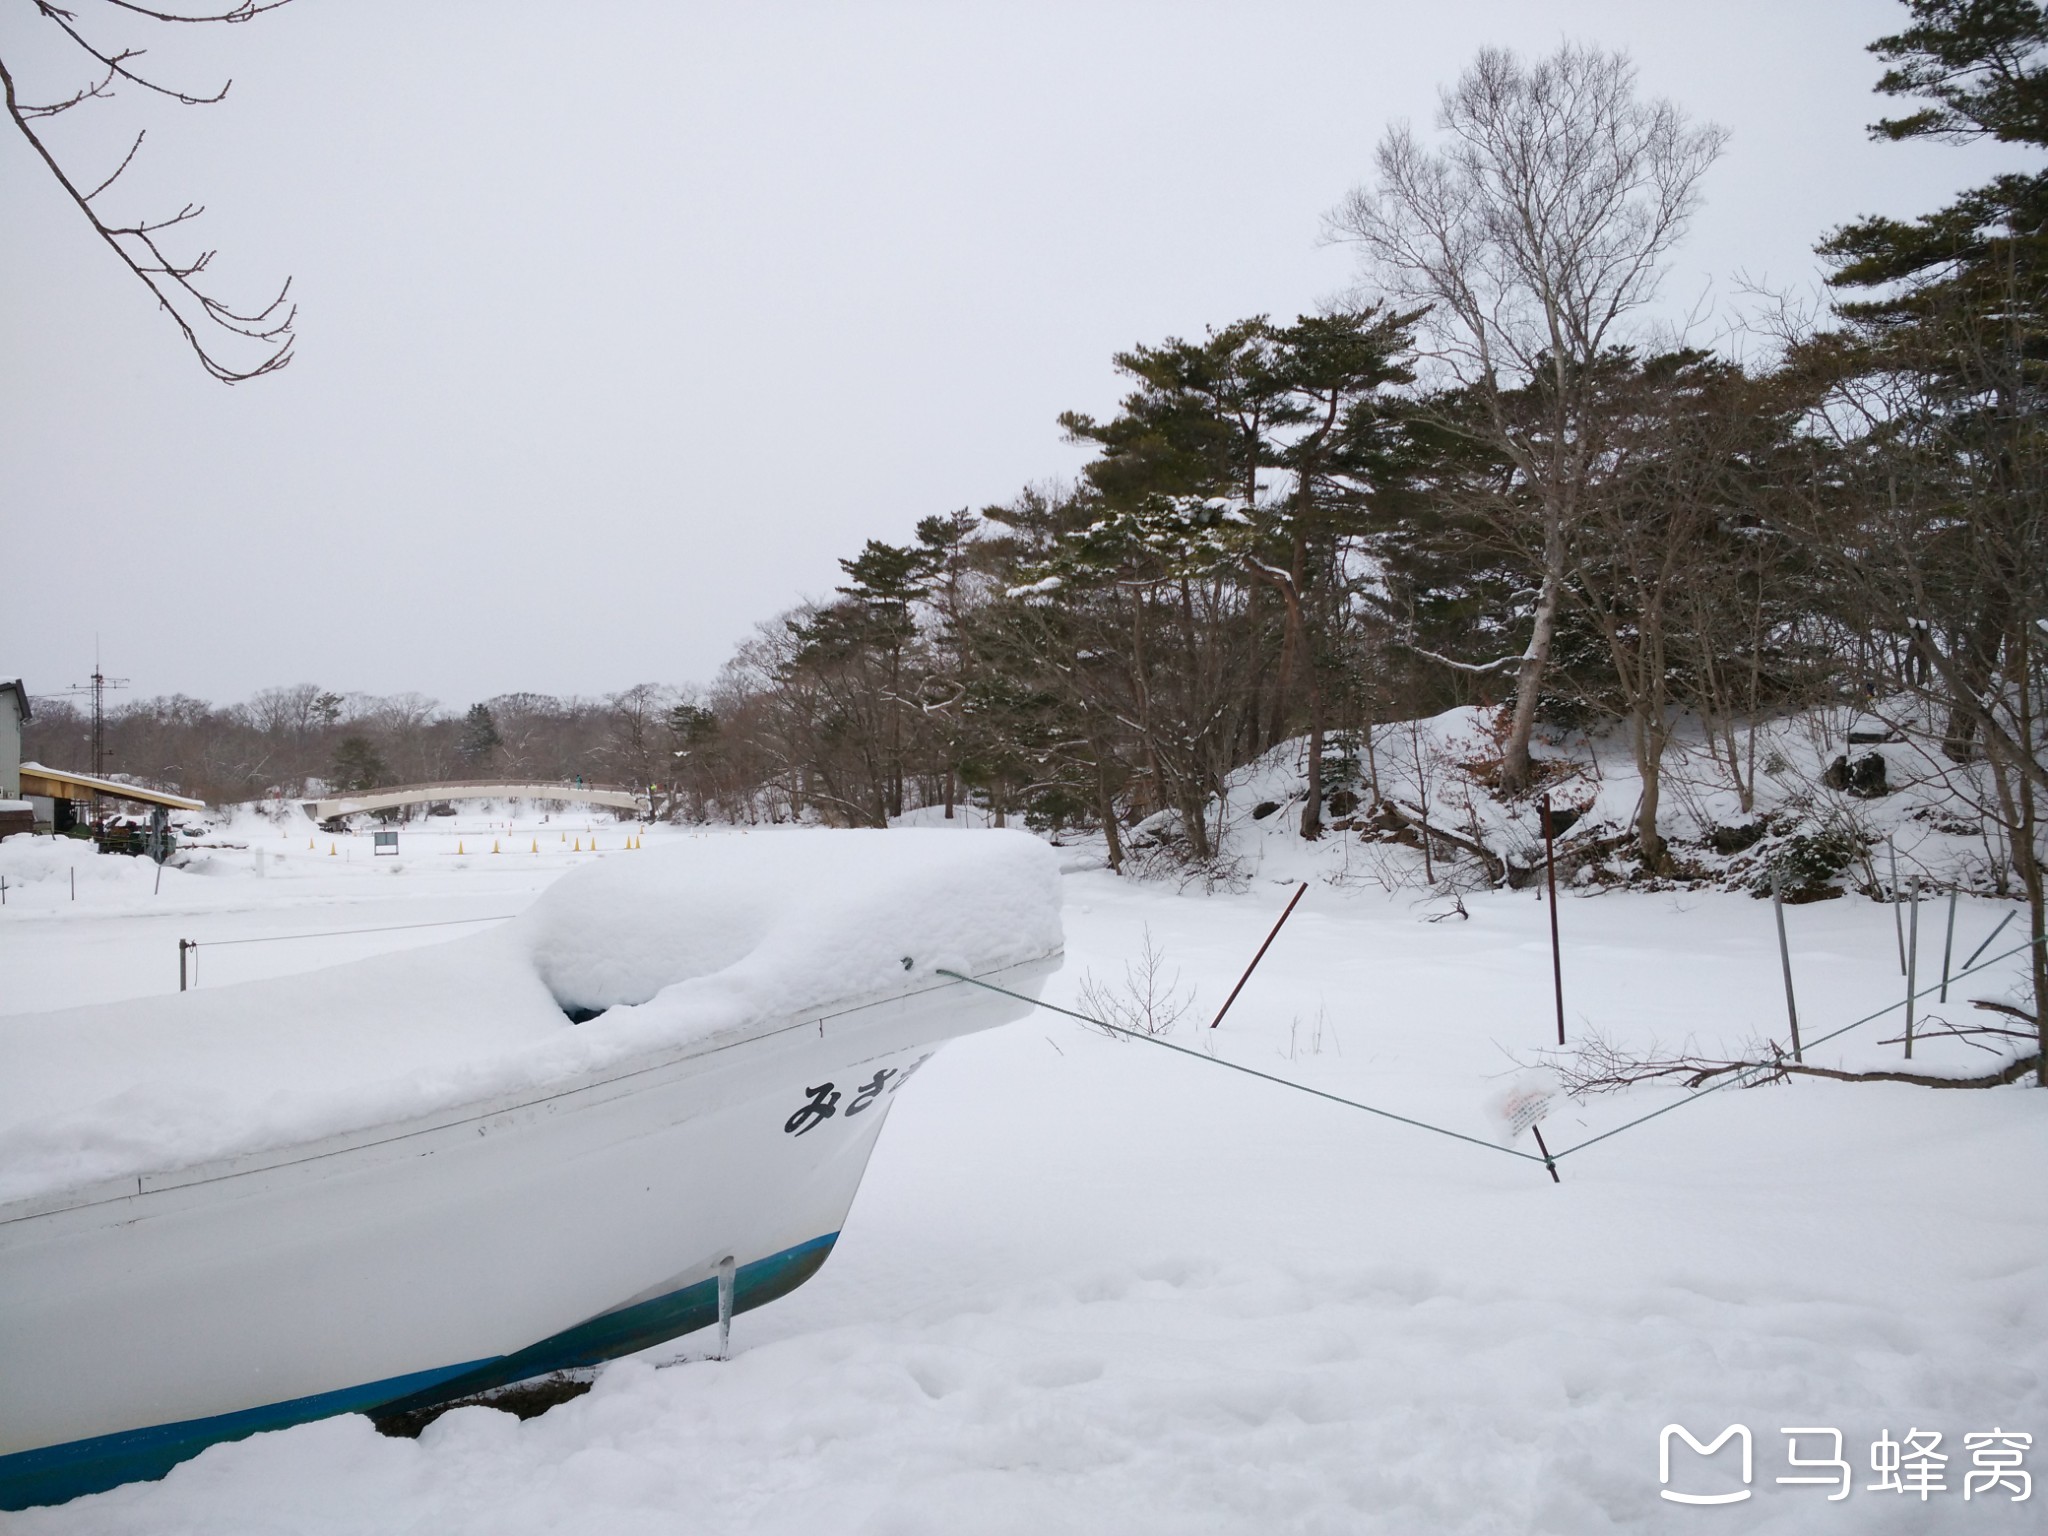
(617, 796)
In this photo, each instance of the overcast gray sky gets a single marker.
(620, 322)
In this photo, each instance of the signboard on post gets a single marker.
(383, 842)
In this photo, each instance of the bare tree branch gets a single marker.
(1481, 667)
(199, 315)
(242, 12)
(126, 161)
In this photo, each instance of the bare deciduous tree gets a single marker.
(1533, 236)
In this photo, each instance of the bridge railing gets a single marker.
(502, 781)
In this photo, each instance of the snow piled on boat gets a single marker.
(669, 946)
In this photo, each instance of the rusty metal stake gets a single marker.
(1247, 976)
(1556, 954)
(1912, 963)
(1548, 1161)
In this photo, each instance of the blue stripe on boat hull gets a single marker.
(55, 1473)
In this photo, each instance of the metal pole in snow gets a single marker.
(725, 1288)
(1898, 928)
(1785, 959)
(1556, 954)
(1247, 976)
(183, 946)
(1987, 943)
(1948, 945)
(1912, 964)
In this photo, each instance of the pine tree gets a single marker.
(357, 765)
(480, 738)
(1952, 339)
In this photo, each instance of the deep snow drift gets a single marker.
(668, 946)
(1091, 1286)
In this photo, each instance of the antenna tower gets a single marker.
(97, 688)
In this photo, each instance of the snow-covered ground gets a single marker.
(1090, 1285)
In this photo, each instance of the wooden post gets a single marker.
(1785, 960)
(1547, 1162)
(1556, 953)
(1948, 945)
(1912, 963)
(1247, 976)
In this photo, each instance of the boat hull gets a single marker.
(421, 1263)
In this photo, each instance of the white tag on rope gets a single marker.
(1524, 1102)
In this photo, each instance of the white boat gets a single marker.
(545, 1198)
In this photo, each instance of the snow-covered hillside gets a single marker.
(1386, 783)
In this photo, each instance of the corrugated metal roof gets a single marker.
(55, 781)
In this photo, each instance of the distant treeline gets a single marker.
(291, 740)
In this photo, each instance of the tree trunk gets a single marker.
(1516, 769)
(1298, 645)
(2018, 802)
(1973, 662)
(1195, 823)
(1255, 682)
(1312, 813)
(2037, 911)
(1106, 808)
(2026, 841)
(1649, 745)
(1283, 677)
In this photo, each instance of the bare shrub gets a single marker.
(1148, 1002)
